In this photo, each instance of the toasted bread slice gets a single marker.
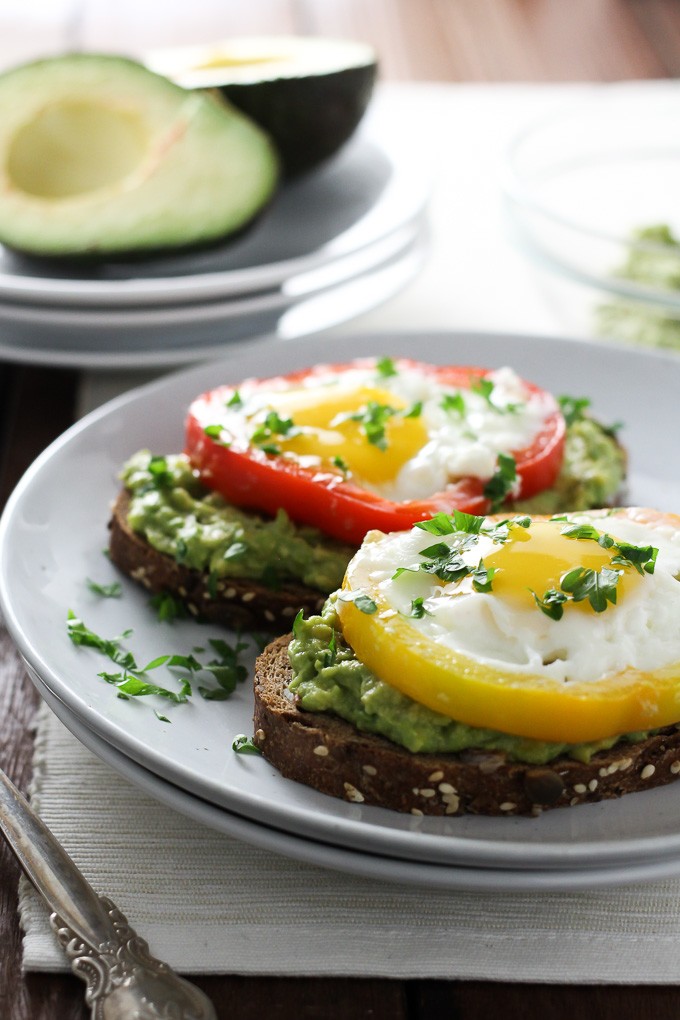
(329, 754)
(232, 602)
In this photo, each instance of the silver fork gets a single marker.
(124, 981)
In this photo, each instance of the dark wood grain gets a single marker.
(36, 405)
(439, 40)
(479, 1000)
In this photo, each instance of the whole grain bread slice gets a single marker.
(232, 602)
(329, 754)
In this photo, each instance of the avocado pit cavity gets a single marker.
(73, 147)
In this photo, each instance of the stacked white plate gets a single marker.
(51, 539)
(332, 245)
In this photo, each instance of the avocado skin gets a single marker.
(91, 261)
(308, 118)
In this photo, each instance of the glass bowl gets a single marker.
(592, 196)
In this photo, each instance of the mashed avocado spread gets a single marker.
(592, 473)
(180, 517)
(327, 677)
(657, 266)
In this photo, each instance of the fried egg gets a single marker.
(517, 627)
(401, 434)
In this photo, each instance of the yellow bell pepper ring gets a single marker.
(522, 704)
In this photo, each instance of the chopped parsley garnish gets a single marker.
(484, 388)
(438, 550)
(573, 408)
(328, 655)
(453, 403)
(297, 623)
(216, 432)
(181, 549)
(272, 426)
(80, 634)
(552, 603)
(360, 599)
(132, 681)
(211, 584)
(226, 668)
(482, 577)
(341, 464)
(448, 524)
(445, 559)
(440, 524)
(365, 603)
(373, 419)
(418, 610)
(641, 557)
(168, 608)
(235, 400)
(244, 745)
(499, 532)
(107, 591)
(160, 472)
(597, 586)
(445, 563)
(586, 531)
(130, 685)
(502, 482)
(386, 367)
(414, 411)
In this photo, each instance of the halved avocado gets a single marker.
(100, 157)
(308, 93)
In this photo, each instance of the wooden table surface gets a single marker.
(439, 40)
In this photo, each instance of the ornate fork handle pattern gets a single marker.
(124, 981)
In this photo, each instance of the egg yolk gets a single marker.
(536, 559)
(363, 428)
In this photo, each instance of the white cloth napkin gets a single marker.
(211, 904)
(208, 903)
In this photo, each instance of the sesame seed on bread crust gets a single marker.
(325, 752)
(233, 602)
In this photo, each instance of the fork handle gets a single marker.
(50, 869)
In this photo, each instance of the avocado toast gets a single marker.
(173, 530)
(432, 685)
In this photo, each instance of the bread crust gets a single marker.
(235, 602)
(325, 752)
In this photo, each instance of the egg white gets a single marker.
(642, 631)
(457, 445)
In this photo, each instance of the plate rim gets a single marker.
(301, 351)
(402, 201)
(397, 263)
(348, 860)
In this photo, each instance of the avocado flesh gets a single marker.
(309, 94)
(100, 157)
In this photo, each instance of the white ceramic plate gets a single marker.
(355, 862)
(128, 337)
(51, 539)
(377, 184)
